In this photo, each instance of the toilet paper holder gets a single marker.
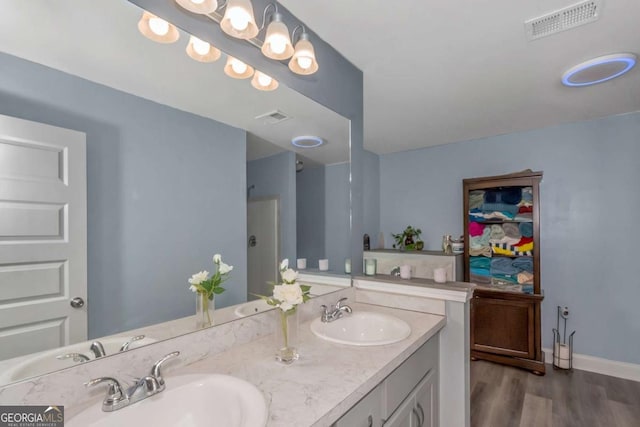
(562, 351)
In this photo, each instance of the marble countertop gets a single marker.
(327, 380)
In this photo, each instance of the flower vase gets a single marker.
(204, 310)
(287, 336)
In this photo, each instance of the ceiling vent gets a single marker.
(563, 19)
(273, 117)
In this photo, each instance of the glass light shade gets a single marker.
(202, 7)
(277, 43)
(303, 60)
(261, 81)
(157, 29)
(237, 69)
(201, 51)
(238, 20)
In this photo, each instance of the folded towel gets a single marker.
(509, 195)
(523, 241)
(525, 278)
(509, 241)
(476, 199)
(480, 262)
(525, 209)
(524, 217)
(500, 207)
(526, 229)
(480, 272)
(503, 266)
(497, 232)
(511, 278)
(484, 251)
(527, 194)
(475, 229)
(479, 279)
(480, 242)
(512, 230)
(523, 263)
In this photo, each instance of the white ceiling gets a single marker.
(99, 41)
(443, 71)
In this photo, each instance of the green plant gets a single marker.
(405, 240)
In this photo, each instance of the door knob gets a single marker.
(77, 302)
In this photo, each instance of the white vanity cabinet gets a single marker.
(408, 397)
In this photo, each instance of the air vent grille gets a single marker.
(273, 117)
(563, 19)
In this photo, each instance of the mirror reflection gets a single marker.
(174, 161)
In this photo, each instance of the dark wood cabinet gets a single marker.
(505, 309)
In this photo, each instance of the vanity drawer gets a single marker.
(403, 380)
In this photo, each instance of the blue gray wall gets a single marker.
(589, 204)
(275, 176)
(337, 234)
(311, 193)
(371, 198)
(164, 191)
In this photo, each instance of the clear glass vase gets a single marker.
(204, 310)
(287, 336)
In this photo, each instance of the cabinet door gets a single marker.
(406, 415)
(503, 326)
(366, 413)
(426, 400)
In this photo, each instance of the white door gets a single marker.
(262, 246)
(43, 237)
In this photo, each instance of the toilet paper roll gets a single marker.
(323, 264)
(562, 355)
(301, 263)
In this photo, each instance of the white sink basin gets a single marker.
(363, 328)
(45, 362)
(252, 307)
(188, 401)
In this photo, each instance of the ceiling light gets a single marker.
(599, 69)
(237, 69)
(202, 51)
(238, 20)
(277, 44)
(263, 82)
(304, 58)
(157, 29)
(307, 141)
(202, 7)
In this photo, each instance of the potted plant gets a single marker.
(409, 239)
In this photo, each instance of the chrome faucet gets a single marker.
(144, 387)
(77, 357)
(395, 271)
(98, 349)
(126, 345)
(334, 312)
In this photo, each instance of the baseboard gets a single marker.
(629, 371)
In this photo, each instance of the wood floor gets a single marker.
(503, 396)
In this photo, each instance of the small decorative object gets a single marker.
(405, 272)
(440, 275)
(323, 264)
(446, 244)
(380, 244)
(286, 297)
(205, 288)
(406, 241)
(301, 263)
(347, 266)
(457, 246)
(366, 243)
(562, 352)
(370, 266)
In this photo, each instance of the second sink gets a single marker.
(363, 328)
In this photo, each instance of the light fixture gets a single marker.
(304, 58)
(238, 20)
(599, 69)
(201, 51)
(307, 141)
(202, 7)
(263, 82)
(157, 29)
(277, 44)
(237, 69)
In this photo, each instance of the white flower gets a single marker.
(217, 259)
(198, 278)
(284, 264)
(224, 268)
(193, 288)
(288, 295)
(289, 275)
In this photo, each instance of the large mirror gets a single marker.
(182, 162)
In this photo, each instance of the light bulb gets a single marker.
(239, 18)
(264, 80)
(158, 26)
(304, 62)
(200, 46)
(278, 43)
(238, 67)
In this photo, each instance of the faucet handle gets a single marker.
(98, 349)
(126, 345)
(155, 370)
(339, 303)
(114, 393)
